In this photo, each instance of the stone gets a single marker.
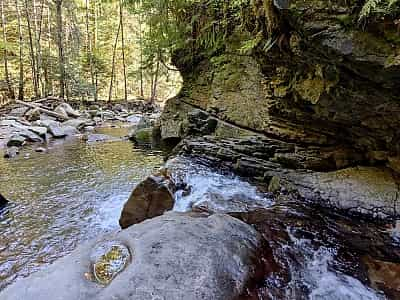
(384, 276)
(134, 119)
(394, 163)
(3, 200)
(18, 112)
(174, 256)
(54, 127)
(11, 152)
(33, 114)
(30, 136)
(150, 198)
(61, 111)
(40, 150)
(76, 123)
(69, 111)
(16, 140)
(39, 130)
(142, 136)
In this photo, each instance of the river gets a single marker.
(70, 194)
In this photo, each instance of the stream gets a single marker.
(76, 191)
(61, 198)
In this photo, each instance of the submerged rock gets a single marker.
(150, 198)
(142, 136)
(174, 256)
(3, 201)
(11, 152)
(16, 140)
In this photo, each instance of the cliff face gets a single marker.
(322, 94)
(326, 82)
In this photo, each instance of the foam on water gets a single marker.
(322, 280)
(224, 192)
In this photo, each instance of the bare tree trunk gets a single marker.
(155, 81)
(21, 63)
(48, 67)
(113, 62)
(89, 51)
(141, 56)
(32, 51)
(123, 48)
(60, 39)
(5, 54)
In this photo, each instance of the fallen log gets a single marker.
(49, 98)
(43, 110)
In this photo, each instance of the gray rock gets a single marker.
(77, 123)
(40, 150)
(135, 119)
(69, 111)
(16, 140)
(18, 112)
(54, 128)
(11, 152)
(39, 130)
(61, 111)
(33, 114)
(175, 256)
(30, 136)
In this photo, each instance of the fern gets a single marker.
(381, 7)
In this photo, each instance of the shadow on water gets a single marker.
(58, 199)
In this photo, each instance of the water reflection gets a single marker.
(60, 198)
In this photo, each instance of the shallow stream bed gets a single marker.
(61, 198)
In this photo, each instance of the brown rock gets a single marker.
(151, 198)
(384, 275)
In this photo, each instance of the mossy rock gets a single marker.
(142, 136)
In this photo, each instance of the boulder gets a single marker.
(69, 110)
(41, 150)
(76, 123)
(54, 127)
(142, 136)
(33, 114)
(30, 136)
(18, 112)
(11, 152)
(61, 111)
(16, 140)
(151, 198)
(174, 256)
(3, 201)
(39, 130)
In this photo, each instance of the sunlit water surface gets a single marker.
(70, 194)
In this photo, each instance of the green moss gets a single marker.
(144, 136)
(345, 20)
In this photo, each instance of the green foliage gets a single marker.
(379, 8)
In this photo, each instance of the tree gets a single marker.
(20, 46)
(60, 39)
(10, 90)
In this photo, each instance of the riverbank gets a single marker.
(38, 123)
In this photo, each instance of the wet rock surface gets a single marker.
(151, 198)
(175, 256)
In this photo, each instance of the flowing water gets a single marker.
(76, 191)
(70, 194)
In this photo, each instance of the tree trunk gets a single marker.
(155, 81)
(141, 56)
(89, 52)
(32, 51)
(10, 89)
(60, 39)
(113, 63)
(123, 48)
(21, 63)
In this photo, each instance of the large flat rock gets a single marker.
(174, 256)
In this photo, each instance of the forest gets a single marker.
(87, 50)
(200, 149)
